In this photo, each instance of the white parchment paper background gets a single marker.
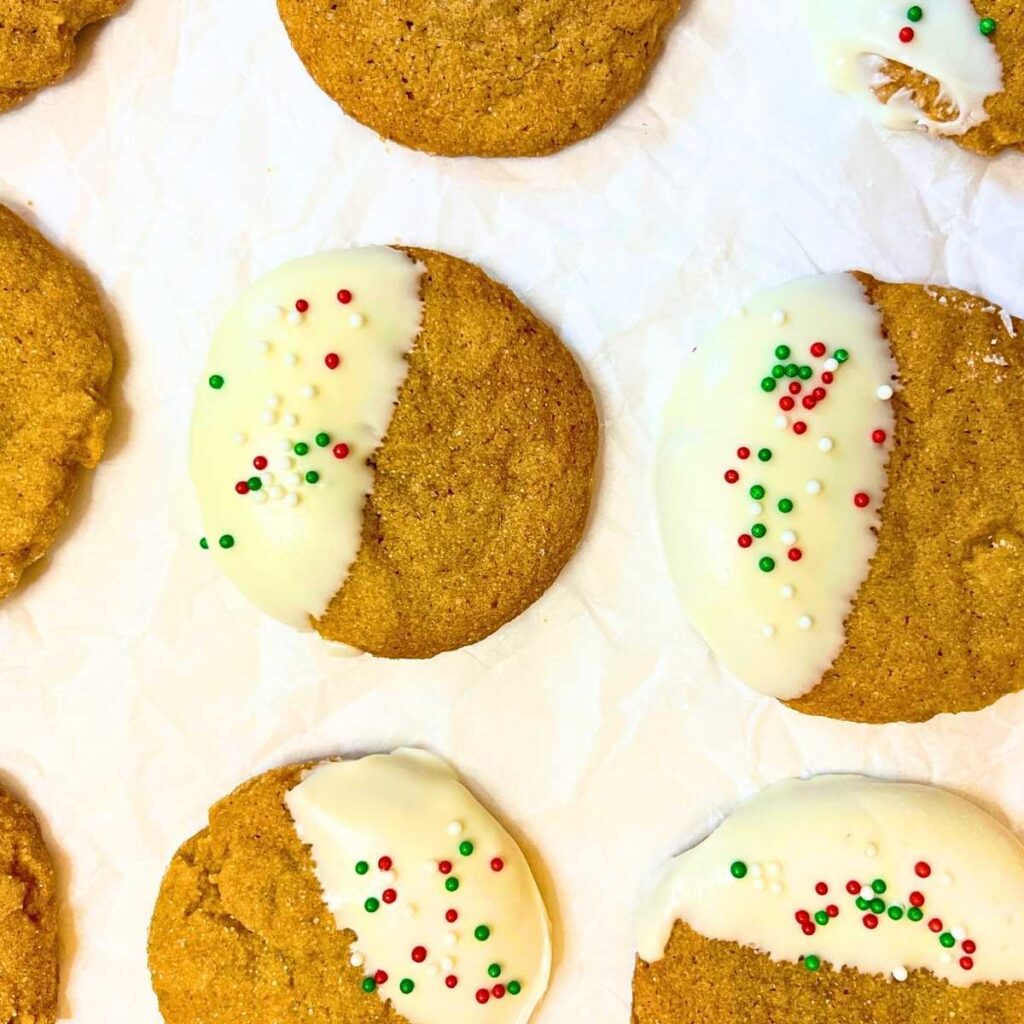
(189, 153)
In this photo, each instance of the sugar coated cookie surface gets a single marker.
(844, 538)
(55, 363)
(484, 79)
(377, 889)
(389, 447)
(28, 910)
(951, 67)
(37, 41)
(841, 898)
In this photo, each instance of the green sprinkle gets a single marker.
(227, 542)
(405, 986)
(915, 914)
(466, 848)
(841, 355)
(778, 370)
(738, 869)
(204, 543)
(494, 970)
(513, 988)
(255, 483)
(765, 455)
(862, 904)
(372, 905)
(987, 26)
(362, 867)
(821, 917)
(369, 985)
(451, 884)
(312, 476)
(947, 940)
(805, 373)
(302, 448)
(786, 505)
(768, 384)
(766, 564)
(915, 13)
(877, 906)
(757, 492)
(216, 382)
(481, 933)
(792, 370)
(812, 963)
(895, 912)
(782, 352)
(878, 886)
(759, 530)
(323, 440)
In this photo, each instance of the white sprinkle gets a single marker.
(756, 871)
(285, 444)
(269, 313)
(945, 958)
(285, 463)
(871, 850)
(775, 888)
(451, 939)
(768, 630)
(866, 892)
(263, 347)
(447, 964)
(813, 487)
(357, 320)
(269, 417)
(884, 392)
(759, 884)
(260, 497)
(294, 479)
(831, 365)
(781, 422)
(267, 478)
(826, 444)
(788, 591)
(805, 622)
(273, 402)
(947, 879)
(779, 317)
(788, 538)
(291, 420)
(755, 509)
(433, 970)
(239, 438)
(291, 359)
(295, 318)
(357, 960)
(309, 391)
(899, 974)
(455, 828)
(277, 493)
(387, 876)
(409, 911)
(774, 869)
(292, 500)
(959, 933)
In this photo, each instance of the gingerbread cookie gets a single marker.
(490, 79)
(37, 42)
(54, 367)
(373, 890)
(390, 447)
(28, 916)
(839, 900)
(951, 67)
(845, 537)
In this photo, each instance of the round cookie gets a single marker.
(485, 79)
(838, 900)
(28, 914)
(372, 890)
(55, 363)
(847, 539)
(37, 42)
(407, 469)
(951, 67)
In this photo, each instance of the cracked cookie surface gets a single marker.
(55, 362)
(28, 915)
(935, 626)
(487, 79)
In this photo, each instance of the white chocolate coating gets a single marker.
(411, 808)
(852, 38)
(294, 541)
(778, 631)
(842, 828)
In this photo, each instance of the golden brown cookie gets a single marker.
(434, 911)
(55, 362)
(28, 913)
(37, 42)
(483, 79)
(405, 518)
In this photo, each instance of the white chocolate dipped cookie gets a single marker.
(950, 67)
(380, 887)
(860, 415)
(856, 899)
(365, 419)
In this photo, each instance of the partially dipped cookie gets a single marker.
(951, 67)
(490, 79)
(37, 42)
(376, 889)
(838, 899)
(28, 917)
(844, 536)
(389, 447)
(55, 363)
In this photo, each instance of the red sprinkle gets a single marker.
(385, 863)
(799, 427)
(743, 453)
(499, 990)
(419, 954)
(966, 963)
(821, 889)
(827, 377)
(744, 540)
(808, 928)
(451, 916)
(497, 864)
(818, 349)
(820, 394)
(389, 895)
(242, 487)
(970, 946)
(381, 977)
(935, 924)
(332, 360)
(786, 403)
(832, 910)
(861, 500)
(906, 34)
(870, 921)
(482, 995)
(344, 296)
(302, 306)
(451, 981)
(917, 899)
(260, 462)
(802, 917)
(341, 451)
(922, 869)
(878, 436)
(795, 554)
(795, 387)
(808, 401)
(853, 888)
(731, 476)
(445, 867)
